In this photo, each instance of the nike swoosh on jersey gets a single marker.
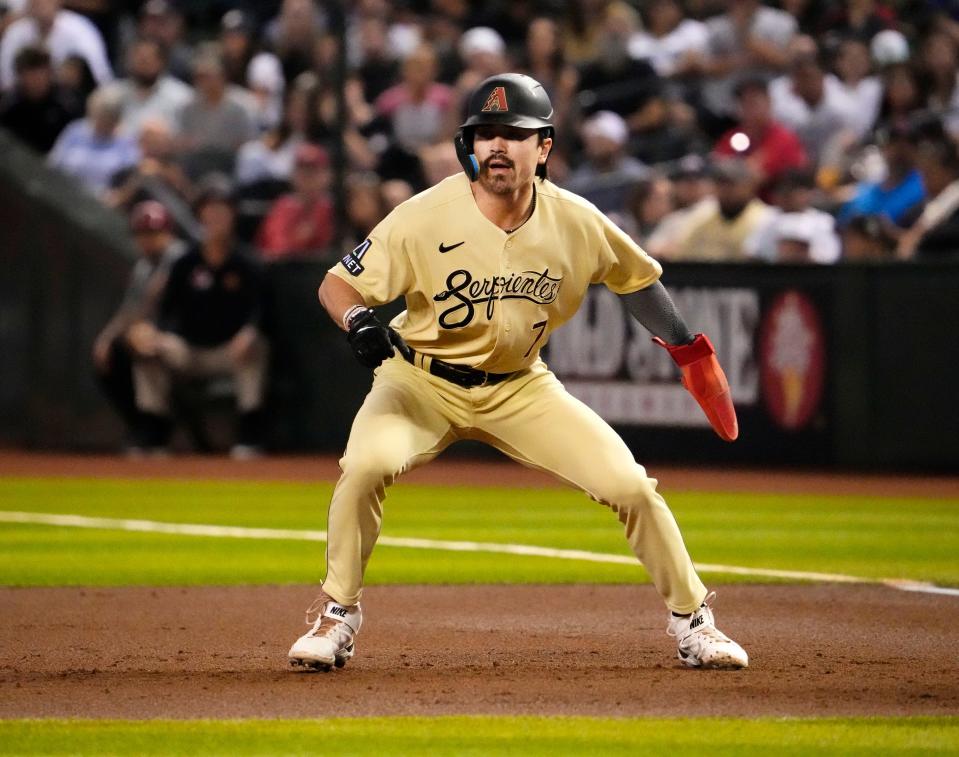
(444, 248)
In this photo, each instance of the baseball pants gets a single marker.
(152, 377)
(410, 416)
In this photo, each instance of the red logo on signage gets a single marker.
(792, 360)
(496, 101)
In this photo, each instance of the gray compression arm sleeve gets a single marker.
(654, 308)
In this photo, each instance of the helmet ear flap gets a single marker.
(463, 142)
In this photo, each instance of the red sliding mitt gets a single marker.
(704, 379)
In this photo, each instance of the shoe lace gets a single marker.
(322, 625)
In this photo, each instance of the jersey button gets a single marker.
(506, 328)
(509, 242)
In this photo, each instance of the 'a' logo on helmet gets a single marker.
(496, 101)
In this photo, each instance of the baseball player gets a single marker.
(490, 262)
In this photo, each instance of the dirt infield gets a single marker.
(592, 650)
(597, 650)
(457, 471)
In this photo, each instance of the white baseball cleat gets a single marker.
(331, 640)
(701, 644)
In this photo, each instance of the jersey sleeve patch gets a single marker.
(351, 261)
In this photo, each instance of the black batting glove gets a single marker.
(369, 339)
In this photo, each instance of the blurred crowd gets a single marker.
(798, 131)
(801, 131)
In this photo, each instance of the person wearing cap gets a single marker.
(301, 223)
(794, 223)
(152, 230)
(693, 194)
(768, 146)
(162, 21)
(208, 323)
(489, 262)
(725, 233)
(608, 174)
(899, 194)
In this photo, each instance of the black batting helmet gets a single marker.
(508, 100)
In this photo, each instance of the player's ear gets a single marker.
(463, 143)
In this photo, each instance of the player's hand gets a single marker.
(703, 377)
(370, 339)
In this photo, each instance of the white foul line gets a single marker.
(528, 550)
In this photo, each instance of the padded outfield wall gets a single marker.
(846, 366)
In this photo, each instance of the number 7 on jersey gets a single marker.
(541, 325)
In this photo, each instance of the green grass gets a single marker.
(485, 736)
(864, 536)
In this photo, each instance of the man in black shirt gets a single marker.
(36, 110)
(208, 325)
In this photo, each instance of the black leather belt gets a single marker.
(461, 375)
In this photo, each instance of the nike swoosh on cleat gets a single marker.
(444, 248)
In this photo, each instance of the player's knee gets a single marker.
(630, 492)
(369, 468)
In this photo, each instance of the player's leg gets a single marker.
(405, 421)
(543, 426)
(547, 428)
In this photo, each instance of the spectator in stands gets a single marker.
(935, 235)
(727, 231)
(36, 110)
(748, 39)
(862, 19)
(264, 79)
(93, 149)
(292, 33)
(270, 157)
(61, 32)
(608, 175)
(157, 175)
(148, 92)
(237, 45)
(853, 68)
(209, 324)
(419, 111)
(652, 201)
(482, 53)
(940, 66)
(74, 77)
(769, 147)
(797, 232)
(545, 60)
(627, 87)
(159, 249)
(301, 223)
(217, 117)
(693, 197)
(669, 40)
(812, 103)
(395, 192)
(364, 206)
(377, 68)
(582, 29)
(865, 240)
(899, 194)
(162, 21)
(901, 94)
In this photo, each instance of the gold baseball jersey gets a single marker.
(479, 296)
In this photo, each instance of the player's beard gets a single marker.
(499, 183)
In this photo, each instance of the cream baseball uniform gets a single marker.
(481, 297)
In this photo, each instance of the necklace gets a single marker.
(532, 207)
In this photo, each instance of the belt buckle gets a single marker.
(485, 380)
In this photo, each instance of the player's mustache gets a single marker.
(497, 159)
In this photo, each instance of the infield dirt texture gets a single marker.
(217, 652)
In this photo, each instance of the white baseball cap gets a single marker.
(606, 124)
(481, 39)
